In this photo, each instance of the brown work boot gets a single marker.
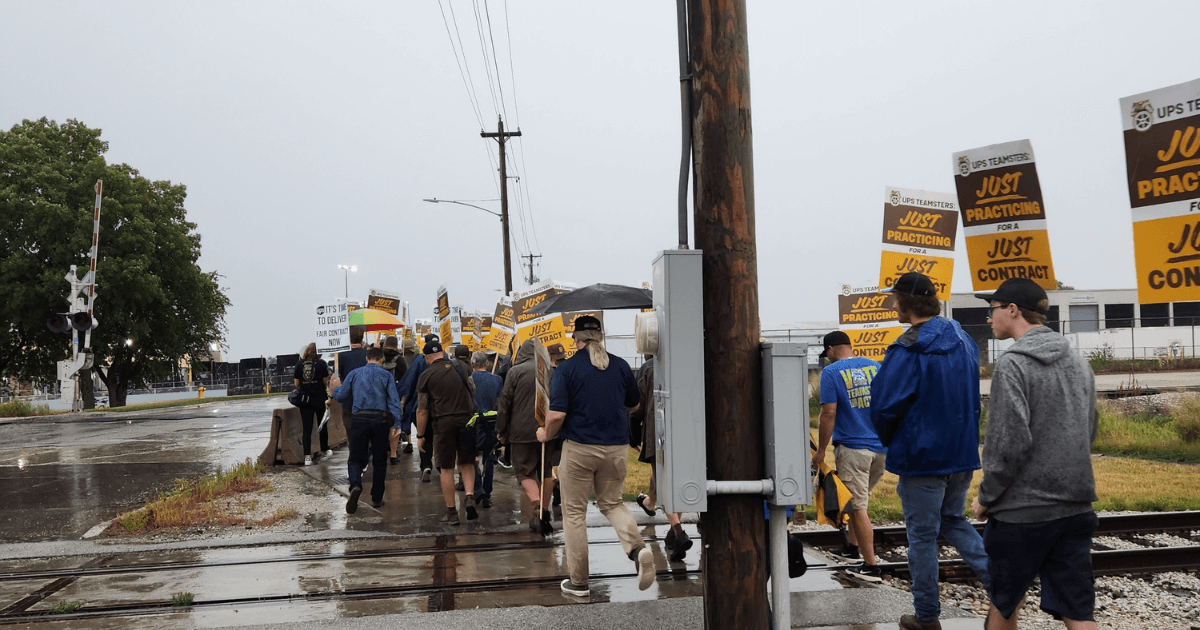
(911, 622)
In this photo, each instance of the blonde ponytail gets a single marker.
(595, 347)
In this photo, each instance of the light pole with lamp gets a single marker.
(504, 231)
(348, 269)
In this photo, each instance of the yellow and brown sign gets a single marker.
(1004, 219)
(554, 328)
(443, 303)
(918, 235)
(867, 316)
(500, 328)
(1162, 161)
(383, 301)
(523, 301)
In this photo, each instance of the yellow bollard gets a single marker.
(201, 390)
(267, 388)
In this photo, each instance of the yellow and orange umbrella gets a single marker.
(374, 320)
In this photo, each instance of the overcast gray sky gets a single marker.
(308, 133)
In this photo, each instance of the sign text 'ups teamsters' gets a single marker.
(1162, 160)
(1004, 218)
(918, 235)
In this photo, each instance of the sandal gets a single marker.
(641, 501)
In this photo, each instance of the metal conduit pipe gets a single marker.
(685, 96)
(757, 486)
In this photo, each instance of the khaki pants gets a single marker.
(599, 468)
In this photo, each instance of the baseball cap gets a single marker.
(1023, 292)
(556, 350)
(835, 338)
(913, 283)
(431, 338)
(432, 347)
(587, 322)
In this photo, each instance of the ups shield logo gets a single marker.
(1143, 115)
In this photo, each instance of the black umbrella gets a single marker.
(596, 297)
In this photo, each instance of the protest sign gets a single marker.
(1004, 219)
(332, 327)
(1162, 162)
(867, 317)
(918, 235)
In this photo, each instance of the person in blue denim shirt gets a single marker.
(925, 407)
(370, 392)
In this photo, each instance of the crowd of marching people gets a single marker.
(916, 415)
(467, 411)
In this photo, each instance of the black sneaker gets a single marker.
(352, 502)
(395, 461)
(912, 622)
(669, 541)
(377, 504)
(469, 504)
(866, 572)
(484, 501)
(535, 524)
(547, 527)
(426, 475)
(848, 552)
(408, 448)
(450, 517)
(570, 588)
(683, 542)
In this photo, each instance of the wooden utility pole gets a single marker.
(500, 137)
(734, 530)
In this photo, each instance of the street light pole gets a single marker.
(504, 233)
(348, 269)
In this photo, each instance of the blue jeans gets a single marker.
(368, 437)
(484, 473)
(932, 506)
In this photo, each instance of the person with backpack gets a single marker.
(311, 376)
(393, 361)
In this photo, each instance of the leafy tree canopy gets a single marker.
(148, 286)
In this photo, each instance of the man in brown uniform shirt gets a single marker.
(445, 395)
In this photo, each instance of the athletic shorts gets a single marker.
(527, 458)
(447, 448)
(1059, 551)
(859, 469)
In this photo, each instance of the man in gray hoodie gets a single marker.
(1038, 488)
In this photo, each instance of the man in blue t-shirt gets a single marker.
(846, 417)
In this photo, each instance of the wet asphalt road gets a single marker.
(62, 475)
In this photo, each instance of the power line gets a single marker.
(469, 85)
(483, 49)
(511, 72)
(492, 40)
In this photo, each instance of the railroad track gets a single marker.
(438, 593)
(1141, 561)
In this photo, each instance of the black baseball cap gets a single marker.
(1023, 292)
(835, 338)
(587, 322)
(432, 347)
(913, 283)
(431, 338)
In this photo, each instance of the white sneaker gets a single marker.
(646, 571)
(308, 460)
(329, 453)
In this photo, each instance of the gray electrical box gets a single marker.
(682, 467)
(785, 422)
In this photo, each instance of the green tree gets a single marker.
(149, 288)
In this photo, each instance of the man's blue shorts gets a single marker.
(1059, 551)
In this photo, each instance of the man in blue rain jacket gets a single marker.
(925, 408)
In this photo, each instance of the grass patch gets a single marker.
(64, 607)
(20, 408)
(183, 402)
(181, 599)
(193, 501)
(637, 477)
(279, 515)
(1155, 438)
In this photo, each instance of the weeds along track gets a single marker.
(1134, 544)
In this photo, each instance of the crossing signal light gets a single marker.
(60, 323)
(83, 322)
